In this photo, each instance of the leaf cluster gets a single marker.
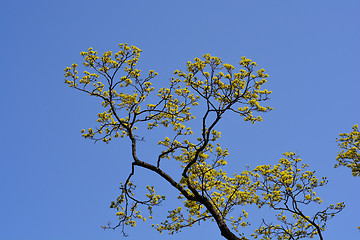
(349, 156)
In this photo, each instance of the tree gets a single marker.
(349, 156)
(208, 89)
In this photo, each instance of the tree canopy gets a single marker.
(190, 107)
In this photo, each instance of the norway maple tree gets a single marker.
(349, 156)
(197, 98)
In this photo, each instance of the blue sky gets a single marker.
(56, 185)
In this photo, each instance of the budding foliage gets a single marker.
(350, 151)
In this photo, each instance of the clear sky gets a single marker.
(55, 185)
